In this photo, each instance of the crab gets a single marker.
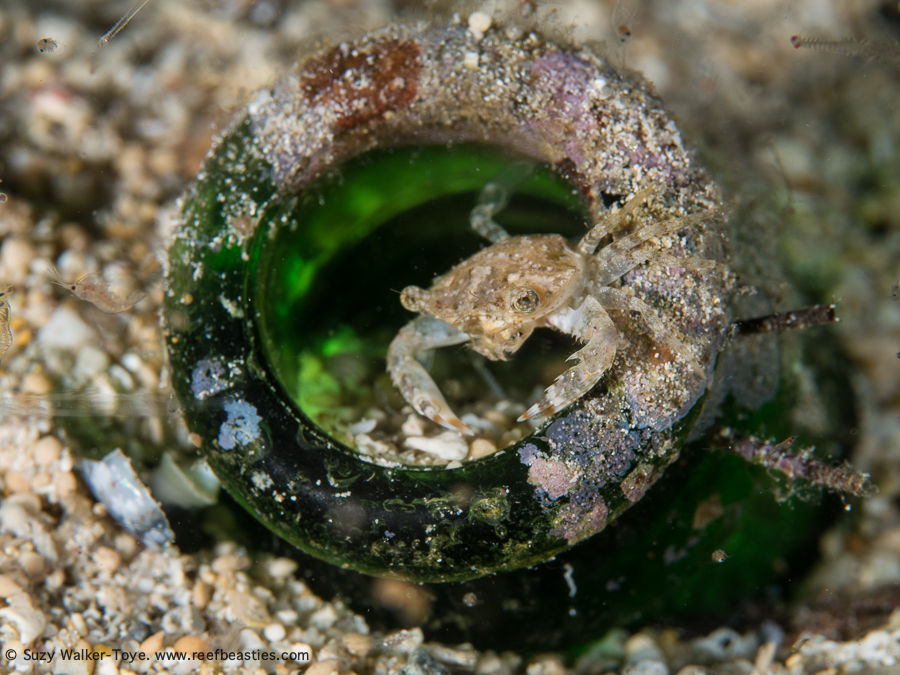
(495, 299)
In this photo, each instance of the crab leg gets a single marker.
(589, 323)
(415, 384)
(626, 253)
(614, 298)
(613, 221)
(493, 198)
(691, 263)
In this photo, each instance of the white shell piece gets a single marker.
(115, 484)
(448, 445)
(188, 487)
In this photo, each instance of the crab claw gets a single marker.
(437, 410)
(590, 323)
(415, 384)
(534, 411)
(546, 406)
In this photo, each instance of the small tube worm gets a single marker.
(5, 333)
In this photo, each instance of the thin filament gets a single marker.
(120, 24)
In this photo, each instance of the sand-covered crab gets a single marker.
(495, 299)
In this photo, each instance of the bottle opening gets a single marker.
(329, 273)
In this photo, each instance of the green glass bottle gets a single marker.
(356, 178)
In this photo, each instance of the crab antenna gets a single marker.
(494, 197)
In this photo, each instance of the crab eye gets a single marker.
(525, 301)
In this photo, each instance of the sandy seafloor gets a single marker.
(96, 146)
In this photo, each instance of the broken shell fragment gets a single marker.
(115, 484)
